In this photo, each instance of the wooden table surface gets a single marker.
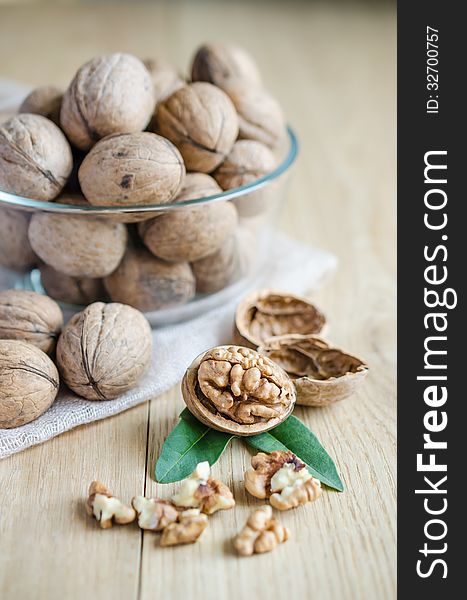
(333, 68)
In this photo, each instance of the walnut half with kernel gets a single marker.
(283, 478)
(236, 390)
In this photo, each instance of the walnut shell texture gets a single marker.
(109, 94)
(15, 250)
(236, 390)
(218, 270)
(71, 290)
(149, 283)
(30, 317)
(104, 350)
(29, 383)
(132, 168)
(201, 121)
(35, 157)
(190, 234)
(322, 374)
(260, 116)
(268, 313)
(223, 65)
(165, 78)
(79, 246)
(46, 101)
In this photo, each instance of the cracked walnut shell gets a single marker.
(283, 478)
(322, 374)
(154, 514)
(106, 509)
(236, 390)
(269, 313)
(223, 65)
(104, 350)
(30, 317)
(132, 169)
(201, 121)
(186, 530)
(35, 157)
(28, 383)
(262, 533)
(202, 491)
(109, 94)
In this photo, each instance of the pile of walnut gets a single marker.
(100, 353)
(280, 476)
(134, 133)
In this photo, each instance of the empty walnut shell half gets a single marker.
(236, 390)
(321, 373)
(269, 313)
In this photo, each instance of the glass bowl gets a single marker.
(217, 277)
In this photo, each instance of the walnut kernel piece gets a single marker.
(35, 157)
(154, 514)
(104, 350)
(109, 94)
(262, 533)
(130, 169)
(201, 121)
(46, 101)
(236, 390)
(282, 477)
(223, 65)
(321, 373)
(269, 313)
(28, 383)
(201, 491)
(30, 317)
(106, 509)
(190, 525)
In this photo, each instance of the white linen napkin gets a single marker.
(292, 266)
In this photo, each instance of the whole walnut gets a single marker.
(218, 270)
(165, 78)
(15, 250)
(223, 65)
(46, 101)
(28, 383)
(30, 317)
(201, 121)
(79, 246)
(104, 350)
(132, 168)
(149, 283)
(260, 116)
(71, 290)
(248, 161)
(192, 233)
(109, 94)
(35, 157)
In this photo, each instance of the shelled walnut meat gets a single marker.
(45, 100)
(201, 121)
(15, 250)
(322, 374)
(105, 508)
(186, 530)
(236, 390)
(202, 491)
(148, 283)
(262, 533)
(131, 169)
(31, 318)
(28, 383)
(109, 94)
(191, 234)
(283, 478)
(104, 350)
(35, 157)
(225, 65)
(71, 290)
(154, 514)
(76, 245)
(269, 313)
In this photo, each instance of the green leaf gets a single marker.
(293, 435)
(189, 443)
